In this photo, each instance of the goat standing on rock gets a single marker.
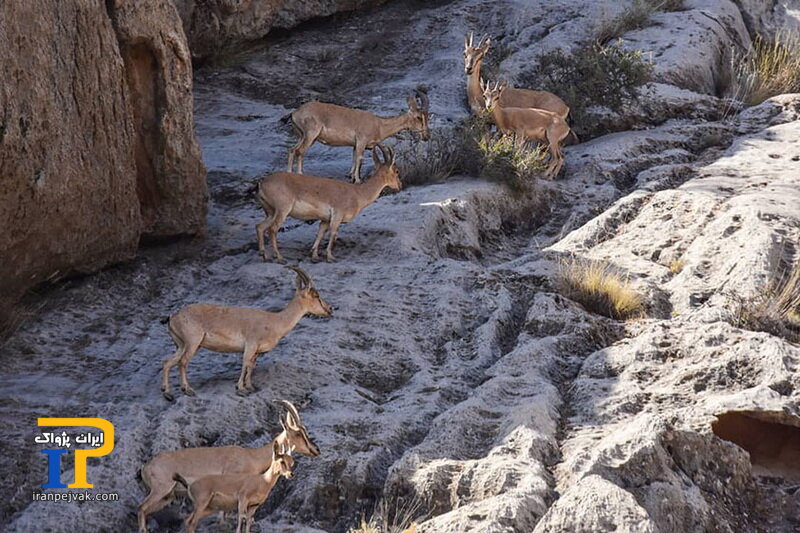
(158, 475)
(341, 126)
(330, 201)
(473, 57)
(528, 124)
(235, 329)
(241, 492)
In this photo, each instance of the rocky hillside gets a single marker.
(217, 27)
(454, 376)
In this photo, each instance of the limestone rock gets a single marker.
(96, 139)
(216, 25)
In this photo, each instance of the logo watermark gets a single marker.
(82, 445)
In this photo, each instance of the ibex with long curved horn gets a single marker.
(235, 329)
(473, 57)
(528, 124)
(330, 201)
(158, 475)
(341, 126)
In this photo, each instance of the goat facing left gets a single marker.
(236, 492)
(235, 329)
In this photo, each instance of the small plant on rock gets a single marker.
(507, 162)
(599, 288)
(775, 310)
(635, 17)
(771, 67)
(396, 518)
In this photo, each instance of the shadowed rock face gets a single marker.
(96, 141)
(216, 25)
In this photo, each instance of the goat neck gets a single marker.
(391, 125)
(369, 191)
(474, 91)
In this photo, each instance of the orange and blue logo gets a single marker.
(102, 444)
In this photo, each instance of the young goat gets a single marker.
(193, 463)
(330, 201)
(242, 492)
(473, 57)
(235, 329)
(341, 126)
(528, 124)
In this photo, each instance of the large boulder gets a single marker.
(216, 25)
(96, 140)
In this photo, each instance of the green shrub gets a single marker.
(594, 76)
(507, 162)
(472, 149)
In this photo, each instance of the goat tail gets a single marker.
(165, 319)
(180, 479)
(286, 118)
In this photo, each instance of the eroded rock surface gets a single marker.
(453, 376)
(216, 26)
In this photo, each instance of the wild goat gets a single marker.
(242, 492)
(330, 201)
(341, 126)
(235, 329)
(528, 124)
(473, 57)
(193, 463)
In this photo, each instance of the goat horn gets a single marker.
(391, 155)
(423, 100)
(471, 36)
(289, 406)
(304, 278)
(385, 154)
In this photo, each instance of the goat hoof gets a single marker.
(253, 388)
(315, 259)
(189, 392)
(244, 393)
(168, 396)
(331, 259)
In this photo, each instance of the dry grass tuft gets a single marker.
(599, 288)
(770, 68)
(430, 161)
(635, 17)
(395, 518)
(776, 310)
(676, 266)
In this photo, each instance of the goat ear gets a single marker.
(283, 423)
(276, 450)
(486, 44)
(412, 103)
(375, 158)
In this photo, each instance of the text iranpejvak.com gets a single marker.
(86, 444)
